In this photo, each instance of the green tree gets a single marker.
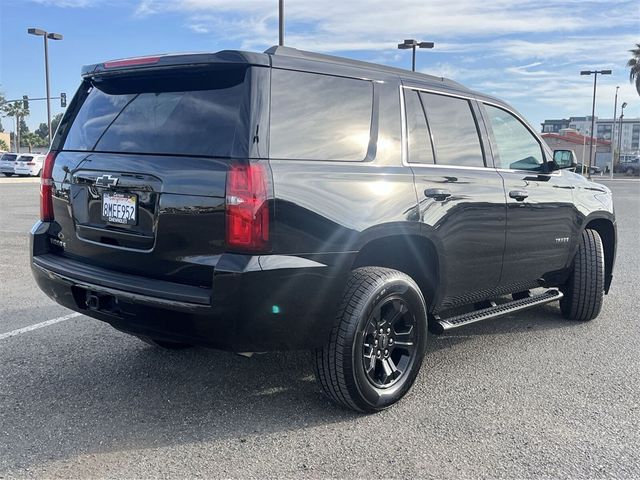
(42, 131)
(1, 127)
(3, 146)
(634, 66)
(24, 128)
(55, 121)
(16, 110)
(31, 140)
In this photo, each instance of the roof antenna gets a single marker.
(281, 23)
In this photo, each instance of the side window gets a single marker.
(454, 130)
(419, 140)
(319, 117)
(518, 148)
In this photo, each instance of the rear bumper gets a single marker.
(256, 303)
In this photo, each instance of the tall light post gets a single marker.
(412, 44)
(613, 132)
(593, 109)
(46, 36)
(281, 22)
(622, 107)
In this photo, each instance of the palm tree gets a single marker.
(634, 64)
(16, 109)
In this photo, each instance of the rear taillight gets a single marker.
(247, 207)
(31, 164)
(46, 188)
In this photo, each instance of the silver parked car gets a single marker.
(8, 163)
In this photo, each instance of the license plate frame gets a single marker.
(119, 208)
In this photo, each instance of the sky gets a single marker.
(527, 52)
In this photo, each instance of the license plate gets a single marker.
(120, 208)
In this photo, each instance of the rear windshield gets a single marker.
(194, 113)
(8, 157)
(25, 158)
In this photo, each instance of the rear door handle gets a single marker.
(519, 195)
(439, 194)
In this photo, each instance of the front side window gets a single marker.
(518, 148)
(319, 117)
(454, 131)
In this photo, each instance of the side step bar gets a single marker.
(444, 324)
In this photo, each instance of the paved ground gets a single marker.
(526, 396)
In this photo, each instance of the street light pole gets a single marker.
(46, 36)
(593, 110)
(412, 44)
(622, 107)
(281, 22)
(613, 132)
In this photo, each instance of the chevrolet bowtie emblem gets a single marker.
(106, 181)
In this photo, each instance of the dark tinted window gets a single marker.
(420, 148)
(518, 149)
(9, 157)
(196, 113)
(454, 131)
(319, 117)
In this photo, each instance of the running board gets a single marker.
(444, 324)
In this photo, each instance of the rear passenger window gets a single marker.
(454, 131)
(319, 117)
(419, 147)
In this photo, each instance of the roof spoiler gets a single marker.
(164, 61)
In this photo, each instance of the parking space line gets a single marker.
(13, 333)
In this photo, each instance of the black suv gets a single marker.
(291, 200)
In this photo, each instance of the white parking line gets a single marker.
(13, 333)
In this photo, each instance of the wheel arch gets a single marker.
(606, 228)
(411, 253)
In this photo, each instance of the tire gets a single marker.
(348, 367)
(7, 174)
(165, 344)
(584, 291)
(629, 172)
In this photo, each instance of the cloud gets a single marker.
(68, 3)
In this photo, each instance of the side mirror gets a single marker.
(564, 159)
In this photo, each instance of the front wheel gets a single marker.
(584, 291)
(376, 348)
(7, 174)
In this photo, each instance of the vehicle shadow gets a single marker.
(99, 391)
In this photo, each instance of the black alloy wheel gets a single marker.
(389, 346)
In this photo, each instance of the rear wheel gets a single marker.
(584, 291)
(375, 350)
(167, 345)
(7, 174)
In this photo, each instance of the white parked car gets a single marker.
(7, 163)
(29, 164)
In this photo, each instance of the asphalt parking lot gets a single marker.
(525, 396)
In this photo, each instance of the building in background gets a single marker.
(605, 129)
(571, 139)
(6, 138)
